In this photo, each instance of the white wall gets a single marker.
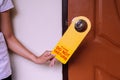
(38, 25)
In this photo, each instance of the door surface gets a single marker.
(98, 57)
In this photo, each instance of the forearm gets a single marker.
(12, 42)
(15, 45)
(18, 48)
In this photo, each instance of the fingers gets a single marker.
(49, 55)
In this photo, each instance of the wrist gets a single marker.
(34, 59)
(37, 60)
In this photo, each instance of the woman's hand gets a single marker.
(45, 57)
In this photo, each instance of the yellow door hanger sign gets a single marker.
(71, 39)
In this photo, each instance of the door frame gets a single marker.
(64, 28)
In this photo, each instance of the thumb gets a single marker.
(52, 63)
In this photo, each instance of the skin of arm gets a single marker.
(15, 45)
